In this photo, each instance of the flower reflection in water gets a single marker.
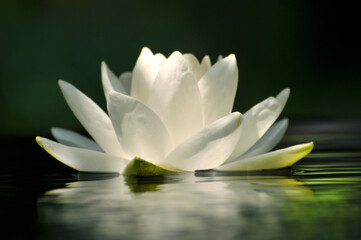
(176, 206)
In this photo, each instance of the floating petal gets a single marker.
(82, 159)
(273, 160)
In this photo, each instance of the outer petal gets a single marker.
(218, 89)
(138, 128)
(93, 118)
(73, 139)
(144, 74)
(82, 159)
(175, 98)
(269, 140)
(257, 120)
(208, 148)
(273, 160)
(125, 80)
(110, 81)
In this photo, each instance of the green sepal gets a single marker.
(140, 167)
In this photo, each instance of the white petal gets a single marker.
(220, 57)
(73, 139)
(93, 119)
(160, 58)
(258, 120)
(273, 160)
(110, 81)
(197, 68)
(208, 148)
(175, 98)
(205, 64)
(138, 128)
(82, 159)
(144, 74)
(125, 80)
(218, 89)
(194, 65)
(269, 140)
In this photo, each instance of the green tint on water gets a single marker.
(318, 198)
(317, 201)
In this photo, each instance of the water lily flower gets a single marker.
(172, 114)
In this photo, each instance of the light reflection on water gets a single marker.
(320, 198)
(204, 206)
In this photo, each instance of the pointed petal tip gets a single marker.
(60, 81)
(66, 87)
(304, 148)
(309, 145)
(114, 94)
(39, 141)
(103, 65)
(189, 54)
(239, 117)
(63, 84)
(284, 121)
(283, 95)
(146, 50)
(231, 58)
(54, 129)
(230, 62)
(206, 58)
(176, 54)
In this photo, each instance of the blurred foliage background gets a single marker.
(313, 47)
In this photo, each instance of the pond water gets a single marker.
(318, 198)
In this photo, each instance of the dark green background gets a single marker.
(310, 46)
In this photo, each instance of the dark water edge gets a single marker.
(318, 198)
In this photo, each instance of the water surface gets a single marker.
(319, 198)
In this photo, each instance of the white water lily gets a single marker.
(173, 114)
